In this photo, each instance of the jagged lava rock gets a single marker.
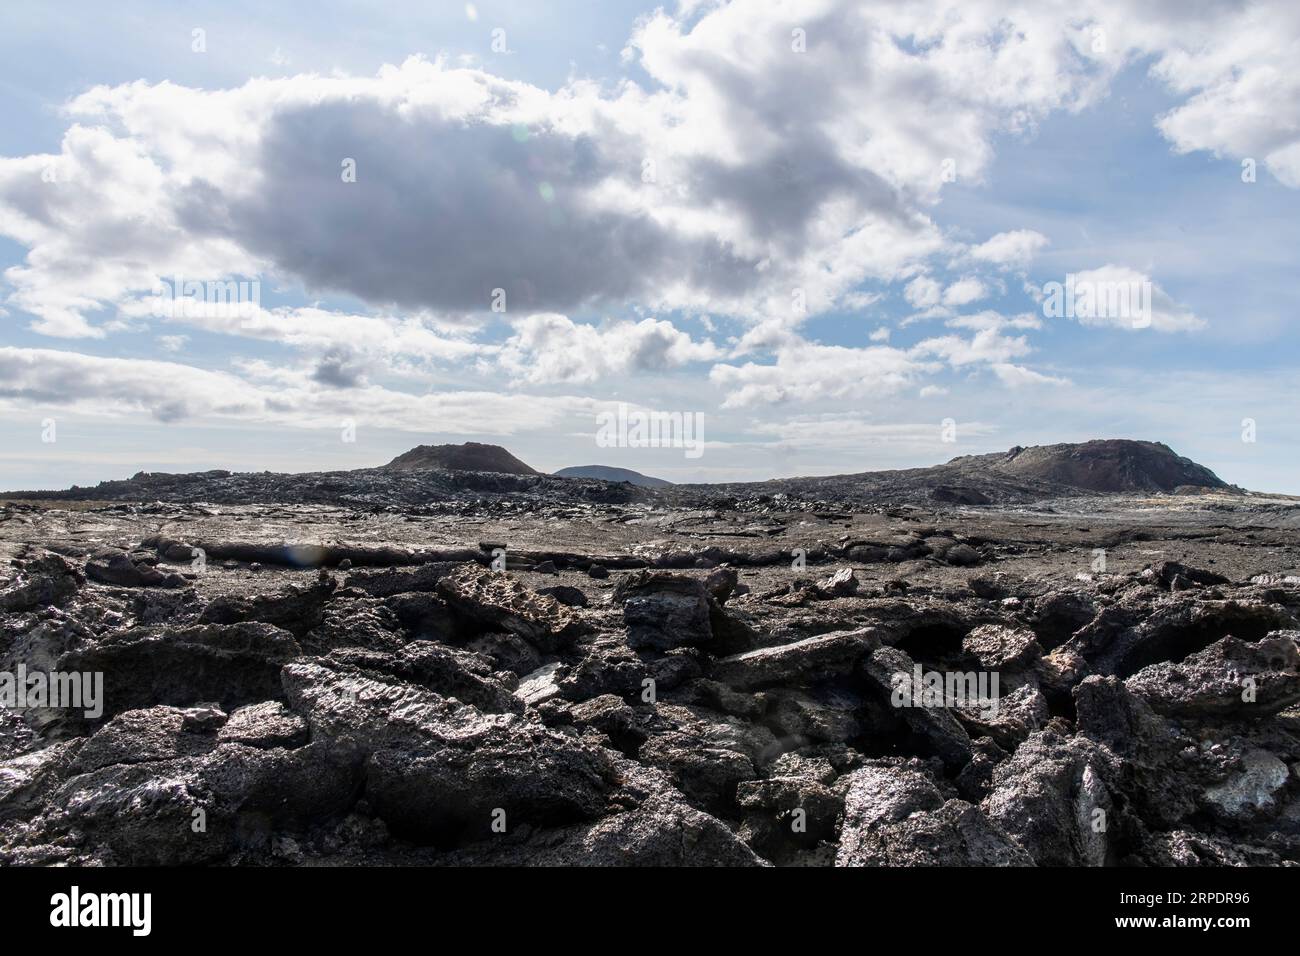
(1228, 678)
(897, 816)
(494, 601)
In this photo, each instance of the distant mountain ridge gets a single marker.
(610, 473)
(443, 472)
(1103, 466)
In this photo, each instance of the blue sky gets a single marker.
(915, 175)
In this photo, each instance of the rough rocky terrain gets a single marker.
(431, 667)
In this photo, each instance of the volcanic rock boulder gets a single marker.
(150, 734)
(385, 582)
(721, 583)
(1014, 717)
(1228, 678)
(157, 786)
(1115, 644)
(442, 772)
(143, 813)
(27, 780)
(843, 583)
(16, 735)
(828, 712)
(1190, 848)
(537, 687)
(650, 824)
(787, 814)
(664, 611)
(1055, 616)
(447, 671)
(1169, 778)
(661, 832)
(707, 754)
(296, 610)
(265, 725)
(814, 658)
(1058, 673)
(998, 647)
(566, 594)
(231, 664)
(348, 620)
(866, 552)
(962, 555)
(115, 566)
(169, 549)
(612, 717)
(1047, 795)
(46, 580)
(425, 616)
(891, 675)
(507, 653)
(451, 794)
(1162, 774)
(493, 601)
(1255, 790)
(1179, 577)
(606, 665)
(189, 810)
(897, 816)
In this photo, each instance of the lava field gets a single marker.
(616, 677)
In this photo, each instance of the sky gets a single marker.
(300, 237)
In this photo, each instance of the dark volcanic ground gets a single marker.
(653, 678)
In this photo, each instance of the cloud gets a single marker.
(549, 348)
(407, 344)
(1236, 63)
(339, 368)
(735, 177)
(446, 190)
(860, 301)
(806, 372)
(745, 169)
(747, 166)
(985, 346)
(1017, 376)
(168, 391)
(1118, 297)
(964, 291)
(1014, 248)
(876, 81)
(846, 430)
(989, 319)
(173, 392)
(923, 292)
